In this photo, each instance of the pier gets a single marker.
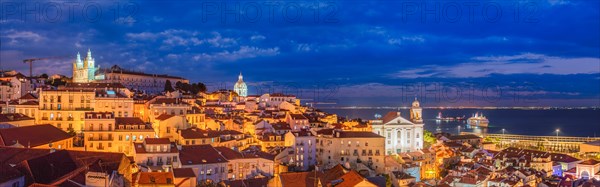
(563, 144)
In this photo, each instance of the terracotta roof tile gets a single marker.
(183, 172)
(200, 154)
(157, 141)
(33, 136)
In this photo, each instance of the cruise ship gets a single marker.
(478, 120)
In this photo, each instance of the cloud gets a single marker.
(177, 37)
(243, 52)
(406, 39)
(22, 36)
(527, 63)
(559, 2)
(142, 36)
(257, 37)
(129, 21)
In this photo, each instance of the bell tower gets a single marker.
(416, 112)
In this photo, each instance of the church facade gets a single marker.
(401, 135)
(85, 71)
(240, 86)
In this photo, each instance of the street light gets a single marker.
(557, 131)
(503, 131)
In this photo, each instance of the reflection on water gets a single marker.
(455, 127)
(514, 121)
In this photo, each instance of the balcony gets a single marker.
(44, 118)
(84, 109)
(149, 163)
(100, 139)
(159, 163)
(370, 154)
(100, 148)
(230, 171)
(59, 119)
(69, 118)
(355, 154)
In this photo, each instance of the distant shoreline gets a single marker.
(480, 108)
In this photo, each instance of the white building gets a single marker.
(85, 71)
(240, 87)
(401, 135)
(303, 144)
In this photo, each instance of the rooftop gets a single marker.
(32, 136)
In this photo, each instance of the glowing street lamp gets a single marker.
(557, 131)
(503, 131)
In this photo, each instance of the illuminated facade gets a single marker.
(240, 87)
(401, 134)
(85, 71)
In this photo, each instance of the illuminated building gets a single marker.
(149, 83)
(354, 149)
(240, 87)
(85, 71)
(65, 107)
(106, 133)
(401, 134)
(303, 144)
(156, 154)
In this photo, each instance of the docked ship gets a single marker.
(478, 120)
(440, 118)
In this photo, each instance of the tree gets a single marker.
(179, 85)
(428, 138)
(168, 87)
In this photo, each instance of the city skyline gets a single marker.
(545, 58)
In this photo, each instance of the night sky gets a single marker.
(353, 53)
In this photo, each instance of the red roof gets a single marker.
(128, 121)
(183, 172)
(248, 182)
(298, 116)
(589, 162)
(44, 166)
(157, 141)
(28, 96)
(200, 154)
(196, 133)
(13, 117)
(229, 154)
(163, 117)
(390, 116)
(306, 179)
(155, 178)
(33, 136)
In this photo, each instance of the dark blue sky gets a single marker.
(363, 53)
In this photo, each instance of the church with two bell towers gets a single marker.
(84, 71)
(401, 135)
